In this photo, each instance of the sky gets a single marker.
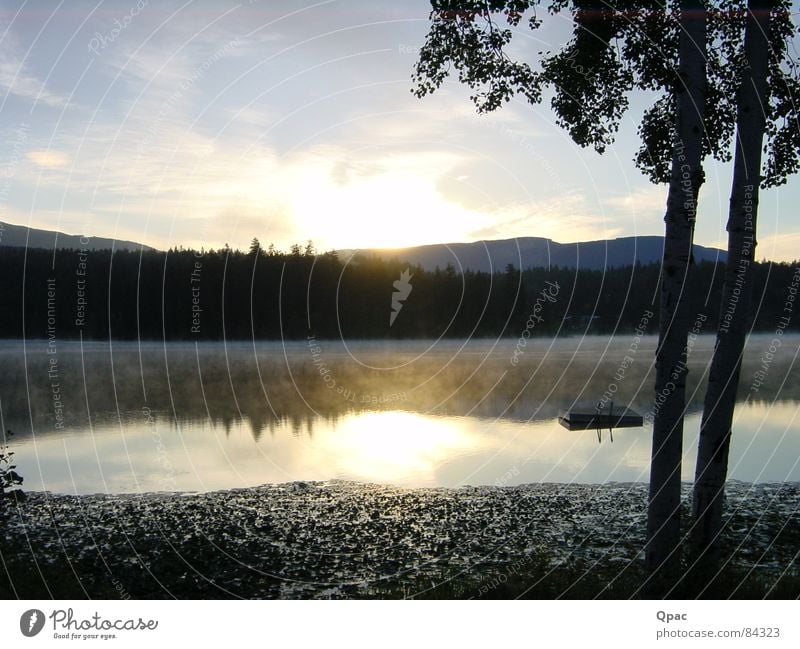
(197, 124)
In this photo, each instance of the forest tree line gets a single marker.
(216, 294)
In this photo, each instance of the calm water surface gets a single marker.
(190, 418)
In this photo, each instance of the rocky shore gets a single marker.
(343, 539)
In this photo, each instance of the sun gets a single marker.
(392, 209)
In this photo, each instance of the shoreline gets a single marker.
(337, 482)
(353, 540)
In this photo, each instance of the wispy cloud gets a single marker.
(48, 158)
(643, 201)
(15, 81)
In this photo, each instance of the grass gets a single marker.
(539, 579)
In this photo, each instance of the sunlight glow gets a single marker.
(391, 208)
(396, 446)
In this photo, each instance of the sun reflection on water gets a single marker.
(402, 448)
(397, 446)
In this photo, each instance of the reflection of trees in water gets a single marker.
(210, 386)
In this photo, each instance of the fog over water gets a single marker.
(184, 417)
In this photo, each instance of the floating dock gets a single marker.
(583, 419)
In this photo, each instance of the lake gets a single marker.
(128, 417)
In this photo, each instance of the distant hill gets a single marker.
(536, 252)
(523, 252)
(22, 236)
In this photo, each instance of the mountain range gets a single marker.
(486, 256)
(21, 236)
(530, 252)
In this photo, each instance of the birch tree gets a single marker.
(686, 177)
(766, 85)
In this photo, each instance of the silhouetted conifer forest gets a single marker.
(227, 294)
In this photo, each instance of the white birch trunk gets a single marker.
(663, 512)
(723, 380)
